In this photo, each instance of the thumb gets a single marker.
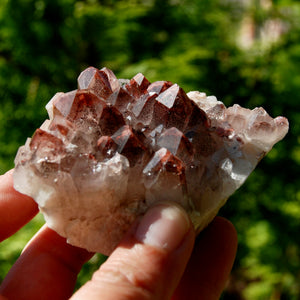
(149, 262)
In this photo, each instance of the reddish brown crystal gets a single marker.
(114, 147)
(129, 145)
(103, 82)
(165, 171)
(172, 108)
(62, 103)
(143, 109)
(106, 148)
(86, 106)
(120, 99)
(111, 120)
(159, 87)
(138, 85)
(177, 143)
(43, 140)
(197, 119)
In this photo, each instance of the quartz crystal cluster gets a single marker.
(112, 148)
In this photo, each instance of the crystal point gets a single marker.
(138, 85)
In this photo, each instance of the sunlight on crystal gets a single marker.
(112, 148)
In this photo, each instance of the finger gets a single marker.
(16, 209)
(47, 269)
(149, 262)
(209, 267)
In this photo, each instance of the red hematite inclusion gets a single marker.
(147, 107)
(113, 147)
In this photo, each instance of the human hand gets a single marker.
(158, 259)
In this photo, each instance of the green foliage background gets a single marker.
(45, 44)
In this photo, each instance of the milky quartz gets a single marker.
(112, 148)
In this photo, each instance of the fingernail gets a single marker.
(163, 226)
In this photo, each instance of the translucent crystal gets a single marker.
(129, 144)
(138, 85)
(112, 148)
(170, 107)
(103, 82)
(177, 143)
(165, 172)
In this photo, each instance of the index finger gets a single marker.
(16, 209)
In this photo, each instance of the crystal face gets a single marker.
(112, 148)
